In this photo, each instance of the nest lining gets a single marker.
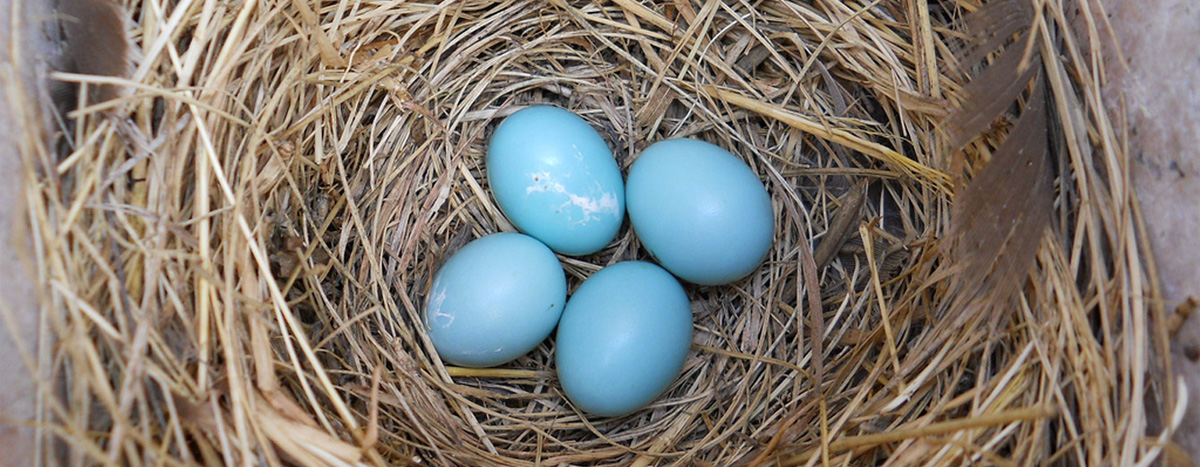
(236, 256)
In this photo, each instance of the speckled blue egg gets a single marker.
(623, 338)
(556, 179)
(699, 210)
(494, 300)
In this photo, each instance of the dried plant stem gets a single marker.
(934, 429)
(235, 255)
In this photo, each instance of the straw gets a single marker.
(237, 253)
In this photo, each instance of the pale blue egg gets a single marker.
(556, 180)
(700, 211)
(623, 338)
(494, 300)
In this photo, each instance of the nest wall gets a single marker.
(236, 252)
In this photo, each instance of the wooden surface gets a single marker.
(1160, 83)
(21, 113)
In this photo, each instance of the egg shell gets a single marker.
(494, 300)
(700, 211)
(622, 338)
(555, 178)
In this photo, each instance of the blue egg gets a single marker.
(556, 180)
(700, 211)
(494, 300)
(623, 338)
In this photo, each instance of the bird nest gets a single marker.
(236, 252)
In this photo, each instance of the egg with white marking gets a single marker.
(556, 179)
(494, 300)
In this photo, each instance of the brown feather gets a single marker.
(990, 28)
(998, 219)
(94, 43)
(987, 97)
(992, 90)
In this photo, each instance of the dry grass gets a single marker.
(235, 256)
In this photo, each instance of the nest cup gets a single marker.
(239, 250)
